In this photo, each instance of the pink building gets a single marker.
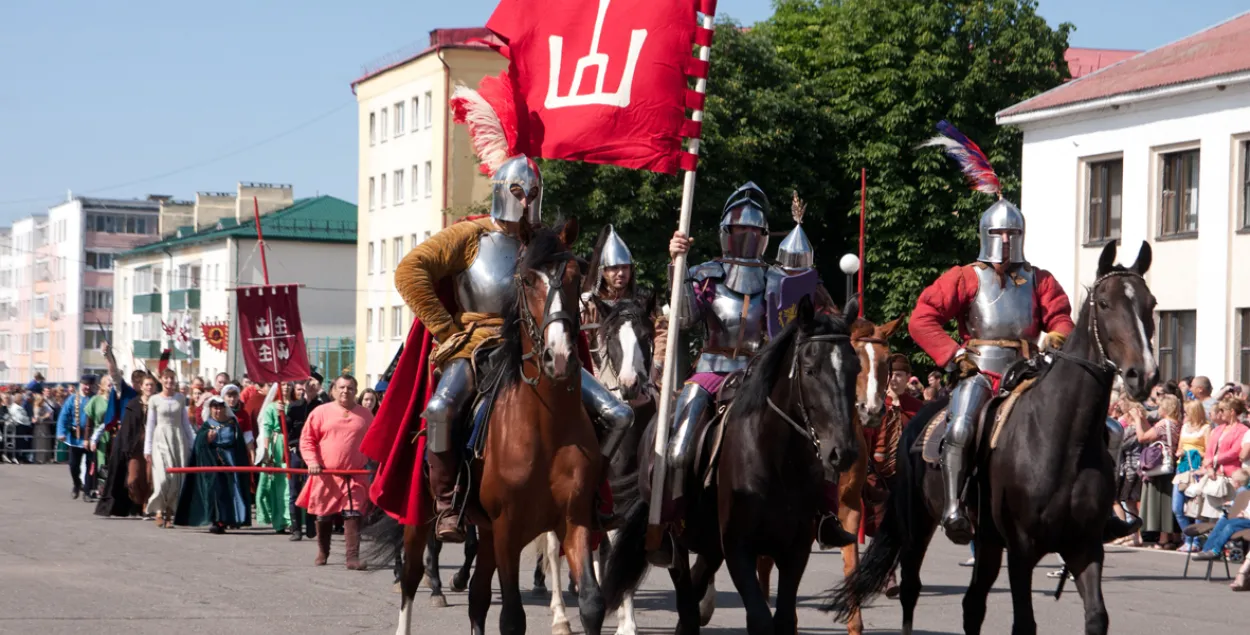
(57, 299)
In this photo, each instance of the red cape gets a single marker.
(399, 486)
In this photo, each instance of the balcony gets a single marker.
(147, 349)
(184, 299)
(195, 351)
(149, 303)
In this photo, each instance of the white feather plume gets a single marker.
(485, 129)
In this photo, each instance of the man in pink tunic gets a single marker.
(331, 441)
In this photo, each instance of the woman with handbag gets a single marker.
(1157, 464)
(1189, 452)
(1223, 454)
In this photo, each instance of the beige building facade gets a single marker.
(415, 167)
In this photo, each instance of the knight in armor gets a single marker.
(727, 297)
(1006, 309)
(610, 279)
(476, 258)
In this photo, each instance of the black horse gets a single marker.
(771, 473)
(1048, 485)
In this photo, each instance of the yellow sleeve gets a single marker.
(445, 254)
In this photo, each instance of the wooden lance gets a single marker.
(655, 531)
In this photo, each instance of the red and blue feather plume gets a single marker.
(976, 167)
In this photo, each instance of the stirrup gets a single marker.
(841, 537)
(663, 557)
(958, 527)
(453, 535)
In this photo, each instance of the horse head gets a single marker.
(627, 333)
(872, 344)
(823, 373)
(548, 276)
(1121, 314)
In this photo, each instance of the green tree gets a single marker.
(895, 68)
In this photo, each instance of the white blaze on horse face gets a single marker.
(874, 386)
(1147, 354)
(631, 355)
(558, 340)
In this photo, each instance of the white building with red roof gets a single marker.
(1153, 147)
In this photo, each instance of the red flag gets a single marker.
(271, 334)
(601, 82)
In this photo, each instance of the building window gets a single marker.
(382, 256)
(429, 109)
(429, 179)
(369, 324)
(1245, 191)
(414, 242)
(1102, 205)
(373, 190)
(1243, 347)
(1177, 331)
(41, 306)
(399, 187)
(370, 265)
(92, 338)
(1178, 194)
(399, 119)
(373, 128)
(416, 103)
(383, 191)
(40, 341)
(382, 125)
(97, 299)
(416, 182)
(99, 262)
(399, 253)
(381, 323)
(397, 321)
(147, 280)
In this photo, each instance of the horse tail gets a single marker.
(387, 536)
(898, 523)
(627, 561)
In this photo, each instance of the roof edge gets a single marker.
(1149, 94)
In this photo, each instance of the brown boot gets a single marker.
(351, 536)
(443, 483)
(325, 528)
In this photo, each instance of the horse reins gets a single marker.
(537, 333)
(806, 430)
(1105, 369)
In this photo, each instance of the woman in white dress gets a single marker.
(167, 444)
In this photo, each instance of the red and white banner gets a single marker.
(271, 335)
(604, 81)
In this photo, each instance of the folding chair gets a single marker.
(1202, 530)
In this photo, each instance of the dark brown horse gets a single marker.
(770, 482)
(872, 345)
(541, 464)
(1047, 487)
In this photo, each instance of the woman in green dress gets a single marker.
(272, 490)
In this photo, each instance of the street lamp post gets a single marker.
(850, 266)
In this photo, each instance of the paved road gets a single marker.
(63, 570)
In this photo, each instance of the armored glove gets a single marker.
(964, 367)
(1053, 341)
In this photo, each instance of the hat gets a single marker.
(898, 362)
(229, 388)
(88, 379)
(316, 375)
(215, 400)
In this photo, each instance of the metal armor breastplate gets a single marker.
(728, 328)
(1002, 313)
(486, 286)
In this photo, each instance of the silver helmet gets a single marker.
(795, 251)
(615, 252)
(517, 191)
(1002, 219)
(746, 207)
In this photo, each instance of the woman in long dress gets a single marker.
(218, 499)
(272, 490)
(127, 489)
(167, 444)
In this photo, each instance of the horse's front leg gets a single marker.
(989, 560)
(460, 581)
(410, 576)
(480, 584)
(687, 601)
(590, 602)
(703, 577)
(1020, 565)
(850, 516)
(1086, 565)
(789, 573)
(625, 624)
(741, 564)
(508, 560)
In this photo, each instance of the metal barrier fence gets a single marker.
(331, 355)
(32, 444)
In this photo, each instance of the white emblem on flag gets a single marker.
(598, 61)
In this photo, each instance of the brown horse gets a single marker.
(872, 345)
(541, 463)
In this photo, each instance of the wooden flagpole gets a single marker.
(863, 212)
(264, 265)
(655, 531)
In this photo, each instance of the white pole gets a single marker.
(654, 530)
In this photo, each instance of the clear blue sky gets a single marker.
(101, 94)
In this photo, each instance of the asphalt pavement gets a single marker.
(64, 570)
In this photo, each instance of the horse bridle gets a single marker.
(1105, 369)
(536, 332)
(608, 373)
(806, 429)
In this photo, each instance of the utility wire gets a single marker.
(198, 164)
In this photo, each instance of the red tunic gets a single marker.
(950, 296)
